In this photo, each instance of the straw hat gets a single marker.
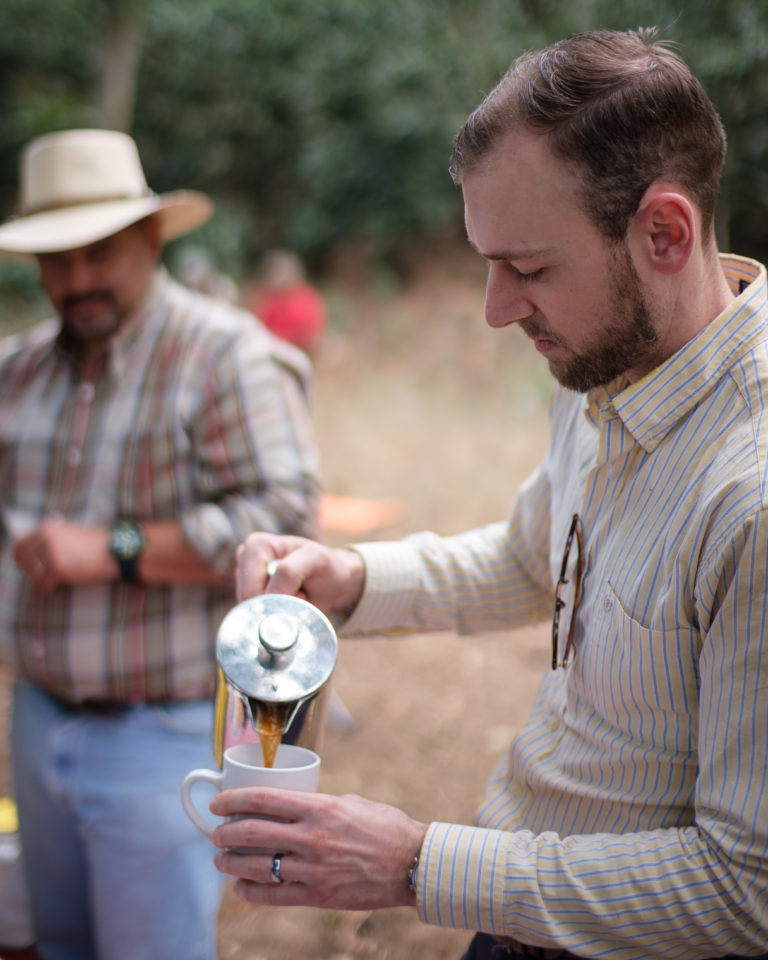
(79, 186)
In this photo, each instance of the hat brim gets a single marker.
(71, 227)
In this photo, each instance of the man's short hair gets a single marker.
(622, 108)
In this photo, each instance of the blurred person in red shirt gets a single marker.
(287, 304)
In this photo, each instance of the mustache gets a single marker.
(537, 331)
(100, 296)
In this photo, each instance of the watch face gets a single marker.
(126, 542)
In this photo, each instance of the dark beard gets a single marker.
(627, 340)
(98, 326)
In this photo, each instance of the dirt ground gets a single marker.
(416, 400)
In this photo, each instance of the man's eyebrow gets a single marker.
(524, 253)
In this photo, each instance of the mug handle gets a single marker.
(214, 777)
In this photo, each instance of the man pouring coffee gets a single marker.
(629, 818)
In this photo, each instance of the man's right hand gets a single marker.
(330, 578)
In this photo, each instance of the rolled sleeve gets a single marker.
(256, 461)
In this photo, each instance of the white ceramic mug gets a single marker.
(295, 768)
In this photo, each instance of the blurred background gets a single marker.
(324, 127)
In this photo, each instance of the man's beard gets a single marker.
(91, 316)
(626, 340)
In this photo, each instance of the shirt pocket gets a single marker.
(642, 680)
(157, 470)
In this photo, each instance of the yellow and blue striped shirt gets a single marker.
(629, 818)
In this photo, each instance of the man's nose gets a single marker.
(79, 277)
(506, 301)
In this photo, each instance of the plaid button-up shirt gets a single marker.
(200, 416)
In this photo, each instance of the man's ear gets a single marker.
(665, 227)
(151, 228)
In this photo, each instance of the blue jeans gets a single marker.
(116, 870)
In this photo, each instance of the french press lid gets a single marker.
(276, 647)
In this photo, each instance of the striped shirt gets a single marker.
(200, 416)
(629, 818)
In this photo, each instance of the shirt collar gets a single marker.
(650, 407)
(144, 322)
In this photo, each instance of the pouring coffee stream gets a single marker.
(275, 655)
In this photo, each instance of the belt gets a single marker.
(102, 708)
(106, 708)
(509, 947)
(485, 946)
(489, 947)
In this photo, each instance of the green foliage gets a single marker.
(47, 52)
(327, 125)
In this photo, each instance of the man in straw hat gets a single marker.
(143, 436)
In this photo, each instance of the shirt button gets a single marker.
(73, 456)
(86, 392)
(607, 604)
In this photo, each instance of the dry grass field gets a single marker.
(415, 399)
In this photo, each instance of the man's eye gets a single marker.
(530, 277)
(51, 260)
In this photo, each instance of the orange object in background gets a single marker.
(358, 515)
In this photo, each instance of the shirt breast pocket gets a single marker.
(641, 679)
(156, 470)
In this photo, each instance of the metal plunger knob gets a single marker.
(278, 633)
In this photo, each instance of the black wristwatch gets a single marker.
(126, 544)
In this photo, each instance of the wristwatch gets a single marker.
(126, 544)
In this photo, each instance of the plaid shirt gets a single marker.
(629, 818)
(200, 416)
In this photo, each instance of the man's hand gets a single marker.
(59, 552)
(330, 578)
(342, 853)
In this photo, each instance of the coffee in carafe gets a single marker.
(275, 655)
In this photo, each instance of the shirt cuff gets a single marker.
(208, 530)
(460, 867)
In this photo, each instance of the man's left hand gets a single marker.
(343, 853)
(59, 552)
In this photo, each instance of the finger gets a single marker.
(251, 570)
(34, 566)
(293, 894)
(256, 867)
(264, 801)
(23, 552)
(285, 575)
(253, 558)
(308, 572)
(43, 576)
(254, 834)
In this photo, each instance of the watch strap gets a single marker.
(126, 544)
